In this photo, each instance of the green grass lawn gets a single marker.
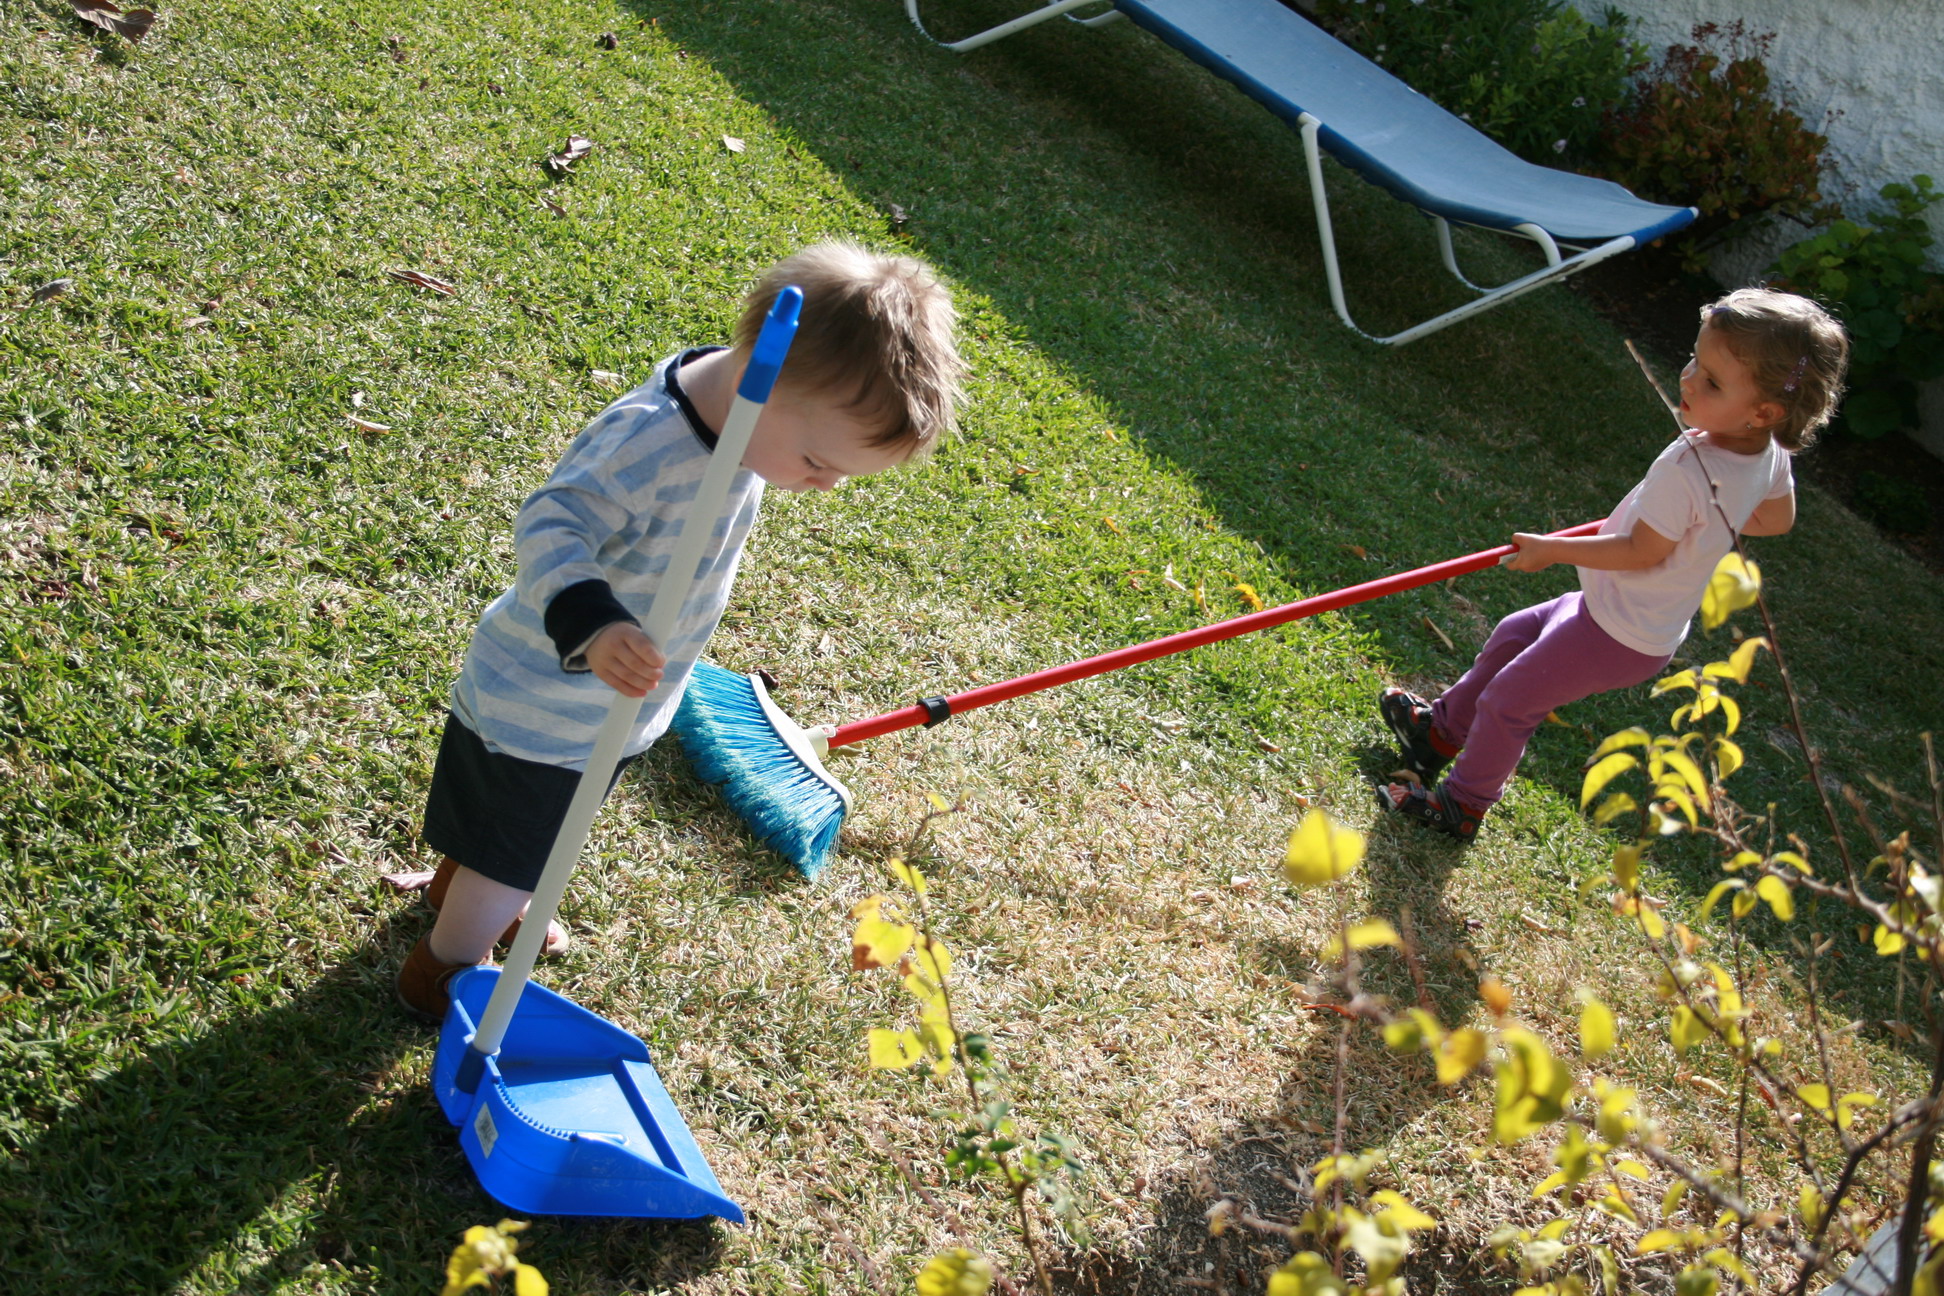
(231, 615)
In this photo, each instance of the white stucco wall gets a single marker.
(1875, 63)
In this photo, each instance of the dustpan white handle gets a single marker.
(759, 376)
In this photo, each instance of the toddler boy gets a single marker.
(872, 379)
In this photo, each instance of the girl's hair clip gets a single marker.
(1795, 374)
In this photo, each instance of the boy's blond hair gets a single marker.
(1796, 353)
(876, 332)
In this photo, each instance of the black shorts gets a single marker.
(497, 814)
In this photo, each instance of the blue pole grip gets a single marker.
(772, 344)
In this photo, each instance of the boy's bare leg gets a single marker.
(476, 910)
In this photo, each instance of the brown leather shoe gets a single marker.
(424, 983)
(435, 892)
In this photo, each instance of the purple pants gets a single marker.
(1536, 661)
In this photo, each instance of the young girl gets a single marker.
(1766, 373)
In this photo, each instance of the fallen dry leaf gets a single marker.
(1443, 638)
(609, 40)
(55, 288)
(1533, 924)
(1496, 996)
(1706, 1086)
(578, 147)
(733, 144)
(420, 279)
(366, 425)
(1358, 550)
(132, 23)
(608, 379)
(415, 880)
(552, 206)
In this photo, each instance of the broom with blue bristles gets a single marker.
(771, 769)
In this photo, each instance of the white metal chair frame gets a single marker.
(1556, 267)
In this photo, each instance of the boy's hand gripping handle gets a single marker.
(752, 393)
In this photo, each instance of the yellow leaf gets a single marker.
(1457, 1054)
(1320, 852)
(528, 1282)
(1658, 1240)
(957, 1272)
(1249, 595)
(1683, 680)
(1815, 1095)
(1794, 861)
(1400, 1212)
(933, 959)
(1634, 737)
(1887, 941)
(1371, 932)
(939, 803)
(1551, 1183)
(1306, 1274)
(1671, 1200)
(907, 874)
(1741, 860)
(877, 943)
(1596, 1029)
(1651, 922)
(1739, 662)
(1496, 996)
(1846, 1106)
(894, 1050)
(1112, 525)
(1687, 1029)
(1721, 889)
(1613, 807)
(1631, 1169)
(1728, 757)
(1733, 587)
(1780, 898)
(1743, 904)
(1626, 867)
(1690, 773)
(1604, 771)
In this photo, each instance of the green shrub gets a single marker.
(1875, 279)
(1707, 128)
(1533, 74)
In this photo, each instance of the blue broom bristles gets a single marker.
(731, 743)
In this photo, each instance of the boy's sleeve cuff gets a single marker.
(576, 615)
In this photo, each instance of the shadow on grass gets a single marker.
(1262, 1163)
(165, 1165)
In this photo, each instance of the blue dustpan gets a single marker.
(569, 1117)
(560, 1111)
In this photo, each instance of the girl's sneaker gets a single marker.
(1433, 807)
(1409, 717)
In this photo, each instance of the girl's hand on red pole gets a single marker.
(1534, 553)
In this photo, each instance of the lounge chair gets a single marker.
(1389, 134)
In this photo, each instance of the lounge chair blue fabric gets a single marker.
(1392, 136)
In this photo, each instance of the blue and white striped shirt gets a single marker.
(612, 511)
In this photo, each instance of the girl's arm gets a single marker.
(1772, 516)
(1638, 550)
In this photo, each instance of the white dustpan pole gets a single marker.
(751, 395)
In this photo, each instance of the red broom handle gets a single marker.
(912, 716)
